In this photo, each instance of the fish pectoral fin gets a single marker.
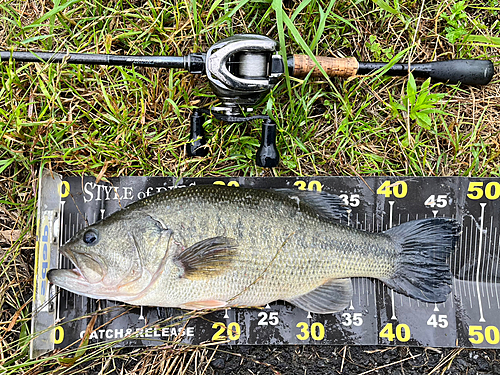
(207, 258)
(332, 296)
(201, 305)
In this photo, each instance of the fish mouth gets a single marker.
(70, 279)
(55, 275)
(87, 267)
(73, 281)
(70, 255)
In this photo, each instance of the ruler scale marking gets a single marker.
(479, 258)
(496, 269)
(456, 284)
(389, 224)
(468, 268)
(488, 270)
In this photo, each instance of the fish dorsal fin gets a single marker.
(332, 296)
(327, 205)
(206, 258)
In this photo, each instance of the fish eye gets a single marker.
(90, 237)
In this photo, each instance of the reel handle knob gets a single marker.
(267, 154)
(197, 142)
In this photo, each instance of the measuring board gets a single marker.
(376, 315)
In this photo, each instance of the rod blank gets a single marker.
(95, 59)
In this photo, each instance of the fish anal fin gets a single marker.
(205, 259)
(201, 305)
(331, 297)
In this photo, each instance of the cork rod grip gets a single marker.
(334, 67)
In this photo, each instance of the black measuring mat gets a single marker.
(376, 314)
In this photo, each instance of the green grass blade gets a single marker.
(213, 7)
(4, 164)
(382, 4)
(299, 9)
(35, 38)
(322, 23)
(298, 38)
(50, 14)
(492, 40)
(278, 8)
(346, 21)
(231, 13)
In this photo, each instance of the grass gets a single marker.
(115, 121)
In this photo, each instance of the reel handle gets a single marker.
(267, 155)
(197, 140)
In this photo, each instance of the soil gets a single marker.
(320, 360)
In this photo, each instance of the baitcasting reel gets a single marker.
(241, 70)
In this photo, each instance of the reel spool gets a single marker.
(252, 65)
(241, 70)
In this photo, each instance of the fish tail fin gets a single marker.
(422, 269)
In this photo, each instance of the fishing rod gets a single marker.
(242, 69)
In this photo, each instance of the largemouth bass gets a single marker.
(215, 246)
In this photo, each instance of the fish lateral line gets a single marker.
(259, 277)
